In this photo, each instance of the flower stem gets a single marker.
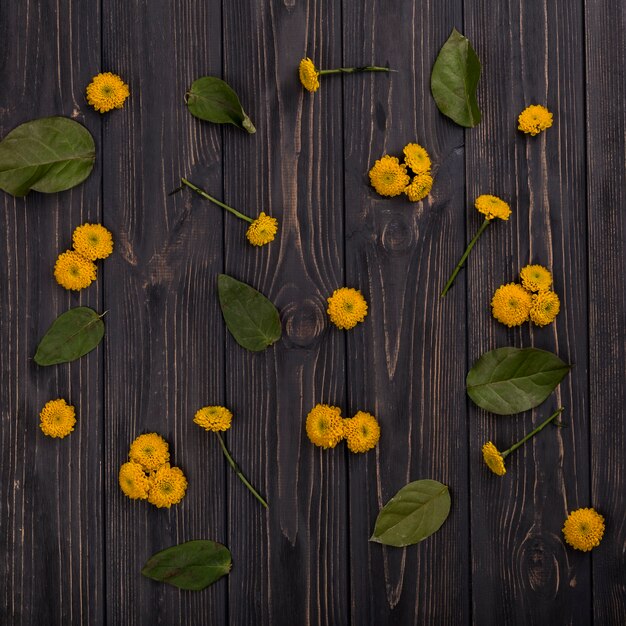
(205, 195)
(460, 264)
(533, 432)
(352, 70)
(243, 479)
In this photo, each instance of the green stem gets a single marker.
(243, 479)
(352, 70)
(459, 265)
(205, 195)
(532, 433)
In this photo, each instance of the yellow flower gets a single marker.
(73, 271)
(57, 418)
(324, 425)
(536, 278)
(534, 119)
(133, 481)
(494, 459)
(544, 308)
(362, 432)
(583, 529)
(419, 188)
(107, 91)
(309, 76)
(262, 230)
(492, 206)
(417, 158)
(167, 486)
(150, 450)
(388, 177)
(213, 418)
(511, 304)
(346, 308)
(93, 241)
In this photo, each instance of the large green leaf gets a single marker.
(512, 380)
(414, 513)
(213, 100)
(47, 155)
(251, 318)
(193, 565)
(454, 79)
(72, 335)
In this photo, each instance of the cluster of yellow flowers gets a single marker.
(513, 304)
(346, 307)
(107, 91)
(326, 428)
(57, 418)
(148, 474)
(534, 119)
(390, 178)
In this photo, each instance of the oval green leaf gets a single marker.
(47, 155)
(417, 511)
(213, 100)
(72, 335)
(251, 318)
(454, 79)
(193, 565)
(512, 380)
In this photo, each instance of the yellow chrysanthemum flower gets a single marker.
(150, 450)
(324, 426)
(416, 157)
(262, 230)
(346, 308)
(213, 418)
(536, 278)
(107, 91)
(583, 529)
(133, 481)
(73, 271)
(492, 207)
(167, 486)
(309, 76)
(419, 188)
(389, 177)
(511, 304)
(494, 459)
(57, 418)
(534, 119)
(361, 432)
(544, 308)
(93, 241)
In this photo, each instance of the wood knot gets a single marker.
(303, 322)
(397, 236)
(539, 564)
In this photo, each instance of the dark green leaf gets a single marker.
(454, 79)
(417, 511)
(251, 318)
(512, 380)
(212, 99)
(193, 565)
(47, 155)
(72, 335)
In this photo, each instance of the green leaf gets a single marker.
(251, 318)
(212, 99)
(454, 79)
(72, 335)
(512, 380)
(192, 565)
(48, 155)
(417, 511)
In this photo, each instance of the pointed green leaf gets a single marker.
(512, 380)
(72, 335)
(193, 565)
(251, 318)
(417, 511)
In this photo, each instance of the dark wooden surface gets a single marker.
(72, 546)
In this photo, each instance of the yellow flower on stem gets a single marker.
(73, 271)
(419, 187)
(583, 529)
(361, 432)
(534, 119)
(389, 177)
(324, 426)
(544, 308)
(511, 304)
(309, 74)
(133, 481)
(346, 308)
(107, 91)
(536, 278)
(93, 241)
(416, 157)
(167, 486)
(57, 418)
(150, 450)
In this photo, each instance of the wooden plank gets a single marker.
(606, 198)
(50, 503)
(523, 572)
(165, 336)
(406, 363)
(291, 560)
